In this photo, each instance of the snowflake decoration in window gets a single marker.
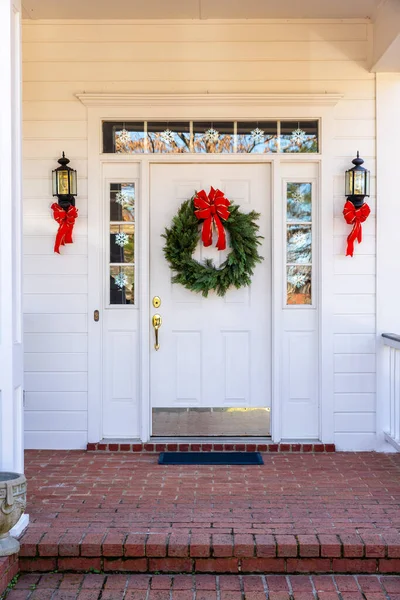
(298, 280)
(298, 136)
(258, 135)
(121, 198)
(211, 135)
(121, 239)
(121, 280)
(300, 239)
(297, 196)
(167, 136)
(123, 137)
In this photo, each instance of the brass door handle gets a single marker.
(157, 322)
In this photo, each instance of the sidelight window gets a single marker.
(122, 243)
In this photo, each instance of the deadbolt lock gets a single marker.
(156, 301)
(96, 315)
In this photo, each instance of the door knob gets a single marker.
(157, 322)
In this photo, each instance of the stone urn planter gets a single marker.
(12, 505)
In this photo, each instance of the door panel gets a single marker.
(120, 315)
(214, 352)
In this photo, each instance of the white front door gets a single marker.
(214, 352)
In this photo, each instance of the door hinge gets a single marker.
(23, 398)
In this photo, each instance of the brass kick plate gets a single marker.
(156, 301)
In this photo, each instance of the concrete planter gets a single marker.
(12, 506)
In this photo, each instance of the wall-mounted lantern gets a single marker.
(356, 211)
(357, 182)
(64, 183)
(64, 211)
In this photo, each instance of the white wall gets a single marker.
(65, 58)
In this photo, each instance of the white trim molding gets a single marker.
(125, 107)
(212, 100)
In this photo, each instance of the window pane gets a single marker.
(298, 285)
(123, 138)
(122, 243)
(213, 137)
(298, 198)
(122, 284)
(257, 137)
(299, 244)
(167, 137)
(299, 136)
(122, 202)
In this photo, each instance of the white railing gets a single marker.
(392, 341)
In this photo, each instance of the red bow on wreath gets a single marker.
(66, 221)
(212, 209)
(355, 216)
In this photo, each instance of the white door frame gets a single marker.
(120, 107)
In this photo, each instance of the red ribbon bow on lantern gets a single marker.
(355, 216)
(66, 221)
(212, 209)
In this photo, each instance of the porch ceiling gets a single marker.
(200, 9)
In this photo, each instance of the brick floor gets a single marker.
(57, 586)
(317, 512)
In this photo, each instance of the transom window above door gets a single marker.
(229, 137)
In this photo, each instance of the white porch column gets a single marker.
(11, 350)
(388, 219)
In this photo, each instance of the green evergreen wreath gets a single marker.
(182, 238)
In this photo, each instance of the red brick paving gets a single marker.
(58, 586)
(323, 512)
(8, 570)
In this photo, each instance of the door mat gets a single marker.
(210, 458)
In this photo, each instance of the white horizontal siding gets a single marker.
(350, 343)
(62, 59)
(355, 403)
(57, 284)
(345, 304)
(51, 440)
(355, 363)
(41, 206)
(55, 342)
(355, 422)
(55, 420)
(55, 382)
(50, 323)
(55, 303)
(54, 401)
(60, 91)
(72, 32)
(62, 361)
(44, 244)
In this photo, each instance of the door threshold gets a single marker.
(211, 440)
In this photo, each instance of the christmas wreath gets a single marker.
(214, 210)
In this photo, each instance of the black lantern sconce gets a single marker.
(357, 182)
(64, 183)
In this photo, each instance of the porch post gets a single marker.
(387, 233)
(11, 349)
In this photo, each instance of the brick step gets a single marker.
(207, 447)
(199, 553)
(8, 570)
(205, 587)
